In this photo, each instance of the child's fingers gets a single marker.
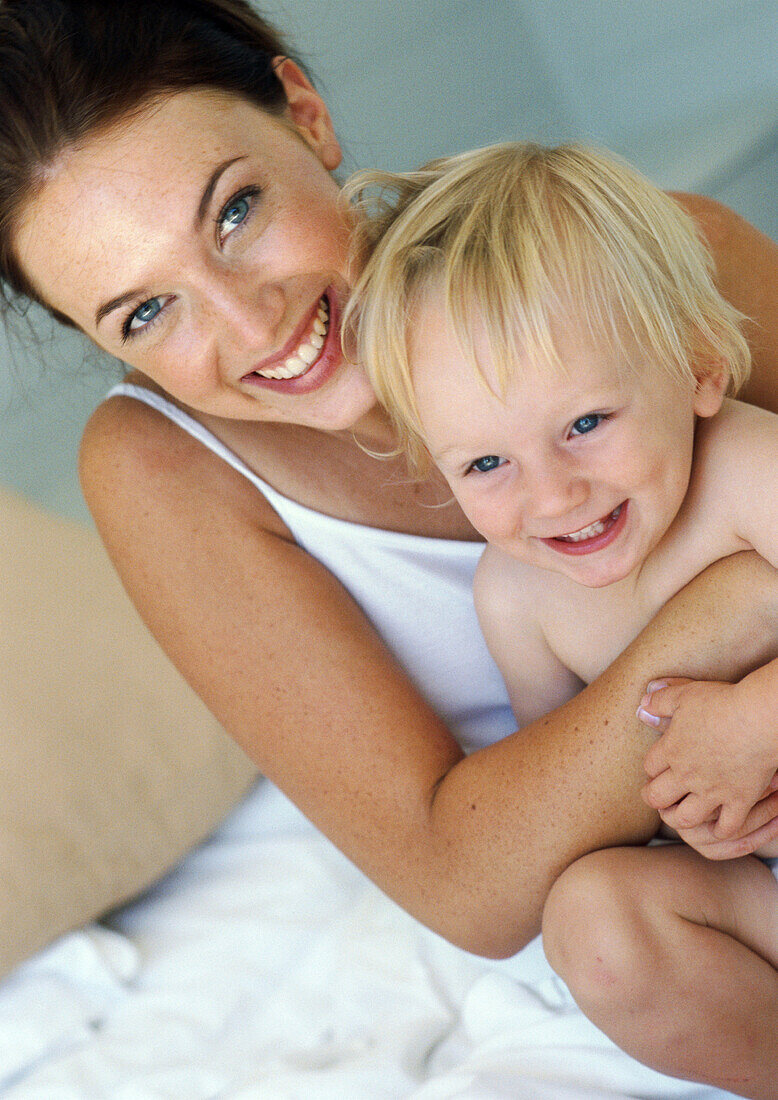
(664, 790)
(662, 696)
(655, 765)
(761, 826)
(744, 845)
(691, 811)
(731, 820)
(654, 720)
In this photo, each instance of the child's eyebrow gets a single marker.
(455, 450)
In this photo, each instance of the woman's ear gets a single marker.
(710, 388)
(308, 112)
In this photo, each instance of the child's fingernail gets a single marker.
(647, 717)
(655, 685)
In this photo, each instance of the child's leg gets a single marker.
(674, 957)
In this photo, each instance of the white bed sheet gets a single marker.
(267, 968)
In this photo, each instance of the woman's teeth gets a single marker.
(308, 351)
(593, 529)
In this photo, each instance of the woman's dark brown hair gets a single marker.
(68, 67)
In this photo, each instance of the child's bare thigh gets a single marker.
(739, 897)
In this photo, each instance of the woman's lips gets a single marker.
(605, 531)
(290, 372)
(301, 352)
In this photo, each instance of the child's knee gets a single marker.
(596, 934)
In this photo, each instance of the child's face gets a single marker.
(579, 471)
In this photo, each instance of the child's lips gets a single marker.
(596, 536)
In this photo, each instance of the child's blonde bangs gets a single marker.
(568, 233)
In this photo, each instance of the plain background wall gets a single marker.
(686, 89)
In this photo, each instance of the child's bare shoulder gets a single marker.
(739, 440)
(738, 428)
(735, 470)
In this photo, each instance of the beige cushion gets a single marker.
(110, 767)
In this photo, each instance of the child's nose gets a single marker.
(556, 490)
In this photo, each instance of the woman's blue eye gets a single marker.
(233, 215)
(141, 317)
(485, 464)
(587, 423)
(148, 311)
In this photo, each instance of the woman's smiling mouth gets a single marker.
(307, 350)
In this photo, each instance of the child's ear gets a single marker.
(710, 388)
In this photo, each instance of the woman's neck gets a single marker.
(373, 432)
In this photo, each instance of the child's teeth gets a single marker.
(593, 529)
(589, 532)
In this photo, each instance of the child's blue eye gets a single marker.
(587, 423)
(485, 464)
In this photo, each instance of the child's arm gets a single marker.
(506, 600)
(718, 753)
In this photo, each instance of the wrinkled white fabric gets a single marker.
(267, 967)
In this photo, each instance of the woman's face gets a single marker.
(203, 243)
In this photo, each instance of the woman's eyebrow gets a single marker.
(114, 303)
(205, 199)
(210, 187)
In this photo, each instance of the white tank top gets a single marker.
(415, 590)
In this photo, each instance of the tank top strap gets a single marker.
(194, 428)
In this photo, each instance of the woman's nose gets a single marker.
(246, 317)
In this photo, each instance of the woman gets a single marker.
(169, 193)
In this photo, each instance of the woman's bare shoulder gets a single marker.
(134, 458)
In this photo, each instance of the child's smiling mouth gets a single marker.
(595, 536)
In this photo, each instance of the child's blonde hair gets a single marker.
(517, 235)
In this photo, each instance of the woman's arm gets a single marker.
(289, 665)
(747, 275)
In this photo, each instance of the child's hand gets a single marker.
(760, 828)
(713, 759)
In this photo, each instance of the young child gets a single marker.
(543, 325)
